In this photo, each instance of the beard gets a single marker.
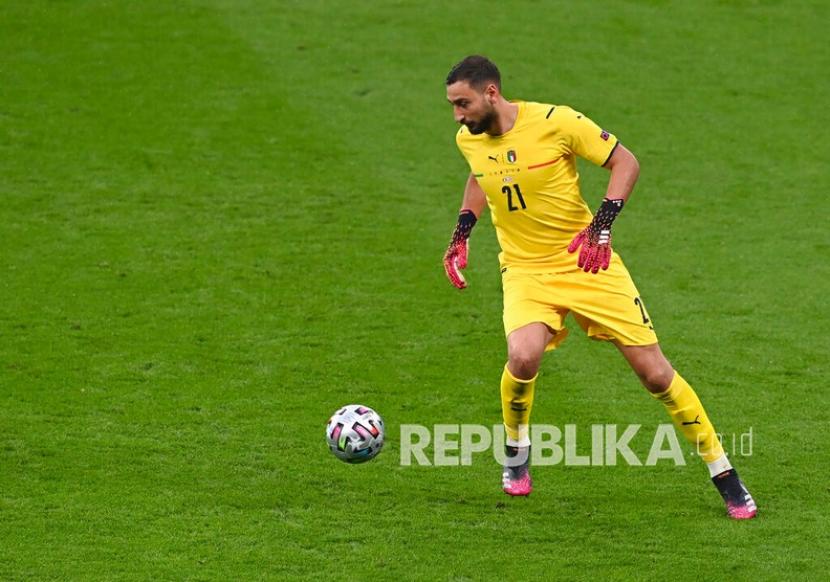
(483, 124)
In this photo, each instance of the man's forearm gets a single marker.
(474, 198)
(624, 173)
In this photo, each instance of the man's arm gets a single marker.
(624, 173)
(472, 205)
(474, 197)
(595, 239)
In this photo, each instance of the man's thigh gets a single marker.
(608, 306)
(530, 339)
(528, 300)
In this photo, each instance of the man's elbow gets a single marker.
(629, 162)
(635, 167)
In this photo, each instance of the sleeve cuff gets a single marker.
(611, 153)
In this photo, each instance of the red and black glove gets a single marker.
(595, 239)
(455, 258)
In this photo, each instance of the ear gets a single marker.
(491, 92)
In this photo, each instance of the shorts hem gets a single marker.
(559, 333)
(603, 337)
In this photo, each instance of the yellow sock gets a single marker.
(688, 415)
(516, 402)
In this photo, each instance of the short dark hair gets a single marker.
(477, 71)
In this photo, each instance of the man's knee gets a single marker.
(657, 378)
(524, 362)
(525, 348)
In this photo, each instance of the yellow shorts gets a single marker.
(606, 305)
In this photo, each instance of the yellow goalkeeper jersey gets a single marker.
(529, 176)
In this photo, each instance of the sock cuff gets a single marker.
(677, 384)
(718, 465)
(517, 380)
(523, 435)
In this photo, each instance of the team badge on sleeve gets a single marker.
(604, 135)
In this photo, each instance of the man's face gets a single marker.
(473, 108)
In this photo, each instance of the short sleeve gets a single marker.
(585, 138)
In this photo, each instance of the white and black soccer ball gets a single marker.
(355, 433)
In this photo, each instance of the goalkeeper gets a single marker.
(556, 258)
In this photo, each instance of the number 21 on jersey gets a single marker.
(510, 192)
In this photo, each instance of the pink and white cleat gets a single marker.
(516, 479)
(739, 503)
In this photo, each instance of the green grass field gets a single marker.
(223, 219)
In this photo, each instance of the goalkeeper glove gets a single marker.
(595, 239)
(455, 258)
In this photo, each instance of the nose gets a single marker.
(459, 117)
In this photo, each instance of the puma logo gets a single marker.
(495, 159)
(695, 421)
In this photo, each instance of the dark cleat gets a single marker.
(739, 503)
(516, 477)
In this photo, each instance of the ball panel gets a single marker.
(355, 433)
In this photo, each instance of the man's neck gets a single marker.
(506, 114)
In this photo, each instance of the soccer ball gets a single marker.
(355, 433)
